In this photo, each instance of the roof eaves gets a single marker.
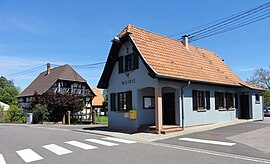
(252, 88)
(194, 81)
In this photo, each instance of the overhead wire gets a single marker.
(234, 17)
(230, 28)
(237, 21)
(26, 71)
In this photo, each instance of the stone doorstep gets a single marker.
(165, 129)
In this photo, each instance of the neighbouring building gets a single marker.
(97, 105)
(159, 81)
(63, 79)
(5, 106)
(97, 102)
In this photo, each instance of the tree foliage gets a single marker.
(261, 78)
(4, 83)
(2, 114)
(8, 91)
(40, 113)
(58, 104)
(266, 98)
(105, 102)
(15, 114)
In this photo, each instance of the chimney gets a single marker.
(185, 41)
(48, 68)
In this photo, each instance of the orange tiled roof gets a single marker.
(169, 57)
(98, 99)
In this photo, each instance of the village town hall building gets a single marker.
(155, 80)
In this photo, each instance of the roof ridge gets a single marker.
(154, 33)
(62, 70)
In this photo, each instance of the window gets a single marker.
(112, 102)
(131, 62)
(148, 102)
(121, 64)
(124, 101)
(257, 98)
(229, 100)
(219, 100)
(201, 100)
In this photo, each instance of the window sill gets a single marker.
(222, 109)
(201, 110)
(231, 109)
(257, 102)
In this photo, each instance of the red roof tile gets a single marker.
(169, 57)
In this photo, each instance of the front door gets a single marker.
(168, 109)
(244, 110)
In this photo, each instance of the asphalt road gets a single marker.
(248, 139)
(21, 144)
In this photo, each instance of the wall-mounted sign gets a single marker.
(133, 114)
(129, 81)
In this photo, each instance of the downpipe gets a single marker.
(182, 103)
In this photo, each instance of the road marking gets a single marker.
(209, 152)
(57, 149)
(207, 141)
(119, 140)
(29, 155)
(2, 160)
(81, 145)
(102, 142)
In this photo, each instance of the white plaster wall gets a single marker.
(142, 80)
(257, 108)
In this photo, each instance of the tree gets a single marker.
(58, 104)
(8, 91)
(266, 97)
(15, 114)
(4, 83)
(40, 113)
(8, 95)
(2, 114)
(261, 78)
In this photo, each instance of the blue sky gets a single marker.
(35, 32)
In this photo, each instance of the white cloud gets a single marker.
(15, 22)
(249, 69)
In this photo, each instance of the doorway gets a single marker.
(244, 110)
(168, 108)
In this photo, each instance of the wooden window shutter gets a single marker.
(135, 60)
(121, 64)
(216, 100)
(235, 101)
(207, 93)
(194, 96)
(112, 99)
(227, 101)
(129, 100)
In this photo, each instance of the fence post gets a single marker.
(93, 116)
(68, 117)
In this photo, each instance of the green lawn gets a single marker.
(102, 120)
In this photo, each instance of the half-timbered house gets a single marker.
(62, 79)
